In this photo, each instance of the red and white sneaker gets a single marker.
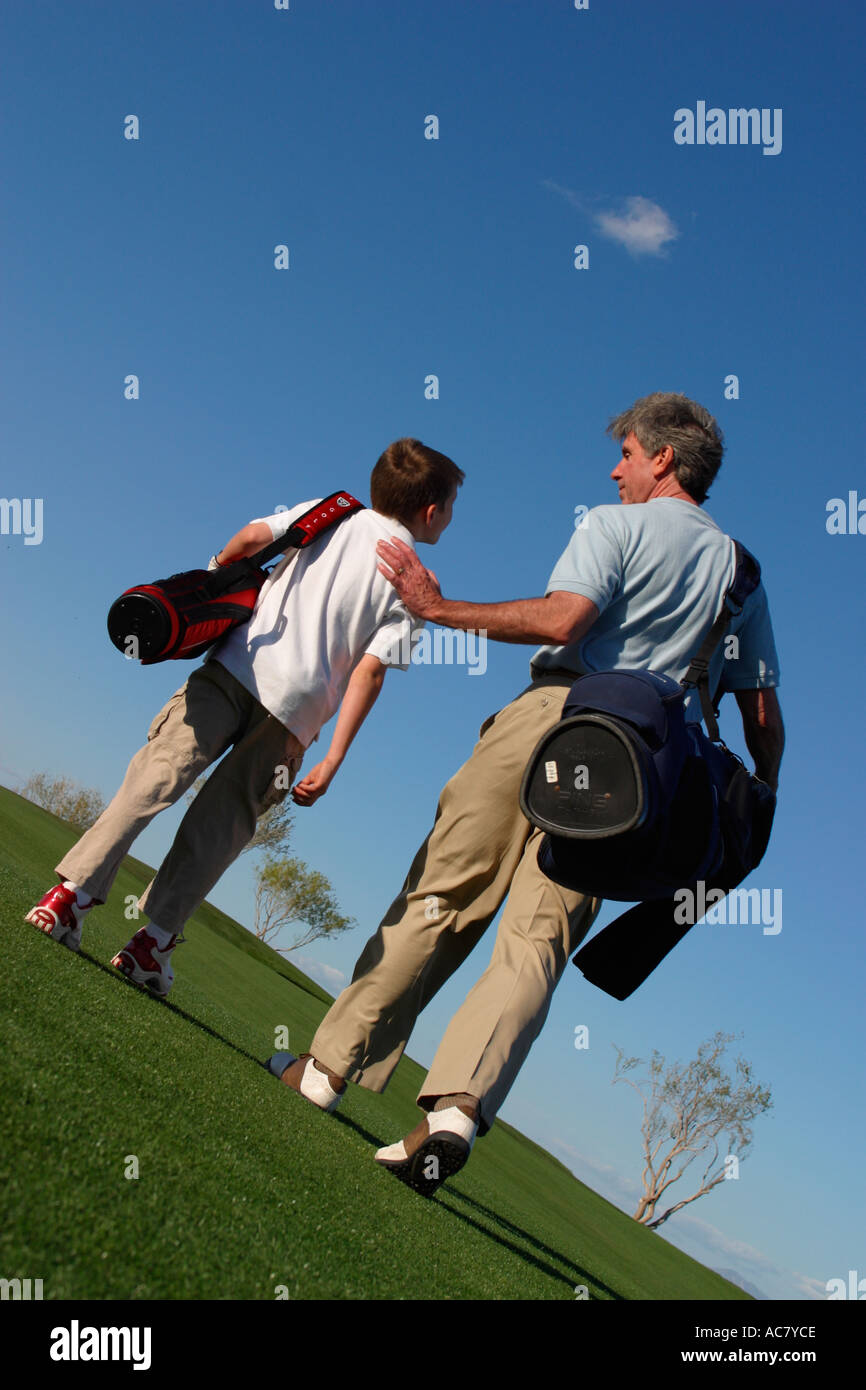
(142, 962)
(58, 915)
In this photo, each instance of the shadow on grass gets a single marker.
(162, 1003)
(376, 1140)
(488, 1219)
(297, 984)
(498, 1220)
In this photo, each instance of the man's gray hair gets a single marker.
(666, 417)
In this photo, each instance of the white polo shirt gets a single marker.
(321, 610)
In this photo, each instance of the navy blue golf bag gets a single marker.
(638, 803)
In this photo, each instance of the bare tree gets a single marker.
(287, 891)
(81, 806)
(273, 830)
(686, 1108)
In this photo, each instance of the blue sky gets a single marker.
(455, 257)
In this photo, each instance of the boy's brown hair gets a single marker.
(409, 476)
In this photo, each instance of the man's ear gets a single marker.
(663, 459)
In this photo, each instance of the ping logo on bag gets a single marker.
(626, 734)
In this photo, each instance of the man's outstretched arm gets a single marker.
(764, 731)
(558, 618)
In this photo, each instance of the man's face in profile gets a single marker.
(634, 474)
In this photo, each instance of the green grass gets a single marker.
(243, 1186)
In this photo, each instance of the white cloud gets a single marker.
(644, 229)
(608, 1180)
(717, 1240)
(565, 192)
(638, 224)
(327, 976)
(811, 1288)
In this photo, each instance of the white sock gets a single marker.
(163, 937)
(83, 899)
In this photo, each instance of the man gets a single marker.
(637, 587)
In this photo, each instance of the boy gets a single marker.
(324, 630)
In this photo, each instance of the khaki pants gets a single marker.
(209, 714)
(481, 848)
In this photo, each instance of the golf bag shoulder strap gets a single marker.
(314, 522)
(747, 577)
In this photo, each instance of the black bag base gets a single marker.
(557, 794)
(140, 617)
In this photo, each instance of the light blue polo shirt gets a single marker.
(657, 571)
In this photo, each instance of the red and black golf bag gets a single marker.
(185, 614)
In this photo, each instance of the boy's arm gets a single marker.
(361, 694)
(247, 541)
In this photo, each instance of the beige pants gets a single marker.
(481, 848)
(209, 714)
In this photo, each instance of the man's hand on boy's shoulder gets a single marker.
(417, 586)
